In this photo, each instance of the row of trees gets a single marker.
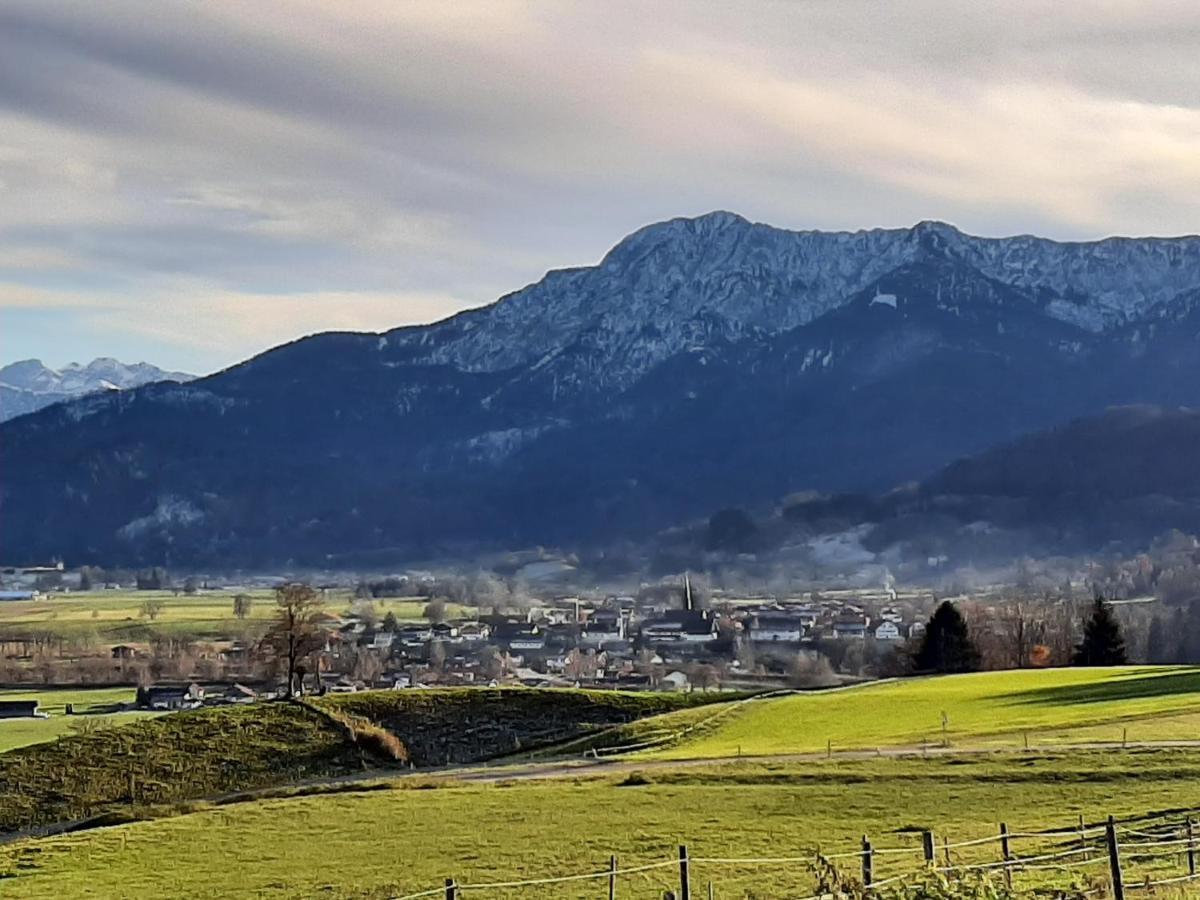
(947, 645)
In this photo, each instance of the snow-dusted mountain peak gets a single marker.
(29, 384)
(720, 277)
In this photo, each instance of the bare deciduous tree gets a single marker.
(296, 632)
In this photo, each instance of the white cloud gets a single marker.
(399, 159)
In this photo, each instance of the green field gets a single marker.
(995, 709)
(180, 757)
(409, 833)
(113, 617)
(92, 707)
(385, 843)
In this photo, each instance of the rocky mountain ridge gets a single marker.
(29, 384)
(702, 362)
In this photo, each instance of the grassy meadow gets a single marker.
(992, 709)
(108, 618)
(410, 832)
(410, 835)
(94, 708)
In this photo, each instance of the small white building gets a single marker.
(887, 631)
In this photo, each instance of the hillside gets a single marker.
(184, 756)
(989, 709)
(702, 362)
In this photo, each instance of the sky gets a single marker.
(190, 183)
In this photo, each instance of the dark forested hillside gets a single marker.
(702, 363)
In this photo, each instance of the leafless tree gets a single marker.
(296, 632)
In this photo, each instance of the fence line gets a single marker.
(1154, 847)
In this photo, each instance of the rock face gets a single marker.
(30, 385)
(703, 362)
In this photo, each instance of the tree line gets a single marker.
(947, 646)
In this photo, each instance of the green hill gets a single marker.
(184, 756)
(988, 708)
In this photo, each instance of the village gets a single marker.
(666, 636)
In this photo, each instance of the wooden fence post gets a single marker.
(1006, 853)
(927, 846)
(1114, 859)
(868, 862)
(1083, 845)
(1191, 836)
(612, 877)
(685, 890)
(451, 889)
(710, 891)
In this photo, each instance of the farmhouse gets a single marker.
(777, 627)
(171, 697)
(20, 709)
(850, 627)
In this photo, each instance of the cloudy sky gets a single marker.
(192, 182)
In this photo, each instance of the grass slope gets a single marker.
(386, 843)
(457, 726)
(991, 708)
(169, 759)
(184, 756)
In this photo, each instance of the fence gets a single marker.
(1125, 859)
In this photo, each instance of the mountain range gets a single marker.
(703, 362)
(29, 385)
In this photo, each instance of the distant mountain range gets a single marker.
(30, 385)
(702, 363)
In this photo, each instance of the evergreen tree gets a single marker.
(1102, 643)
(1158, 650)
(947, 644)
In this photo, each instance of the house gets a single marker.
(382, 640)
(472, 632)
(20, 709)
(850, 627)
(520, 636)
(171, 697)
(603, 627)
(887, 631)
(785, 627)
(415, 635)
(123, 651)
(688, 626)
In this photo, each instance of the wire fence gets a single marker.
(1108, 859)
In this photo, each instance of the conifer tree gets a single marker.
(1102, 643)
(947, 644)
